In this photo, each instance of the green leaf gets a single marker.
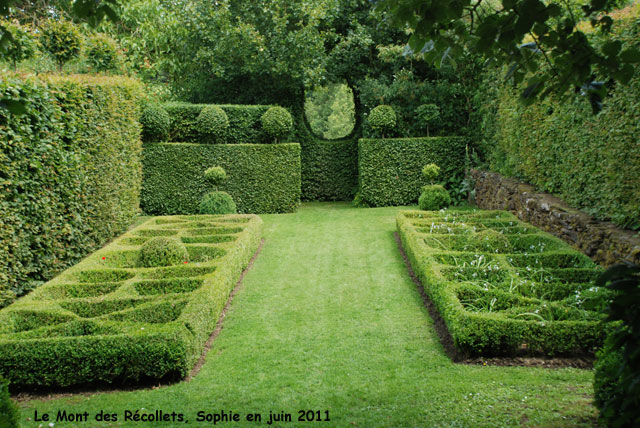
(630, 55)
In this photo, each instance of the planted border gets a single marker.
(108, 320)
(504, 287)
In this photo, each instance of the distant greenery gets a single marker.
(330, 110)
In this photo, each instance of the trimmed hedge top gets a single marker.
(503, 286)
(110, 319)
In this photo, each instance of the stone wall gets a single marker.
(604, 242)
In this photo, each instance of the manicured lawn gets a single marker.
(328, 319)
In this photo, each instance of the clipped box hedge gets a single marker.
(71, 172)
(260, 178)
(244, 122)
(390, 170)
(108, 320)
(502, 286)
(329, 170)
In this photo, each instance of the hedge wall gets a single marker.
(244, 122)
(590, 161)
(71, 173)
(390, 170)
(111, 319)
(329, 170)
(260, 178)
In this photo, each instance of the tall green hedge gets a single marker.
(390, 170)
(329, 170)
(244, 123)
(561, 147)
(71, 173)
(260, 178)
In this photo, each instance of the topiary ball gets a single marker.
(213, 125)
(277, 122)
(492, 241)
(217, 203)
(382, 119)
(102, 53)
(62, 39)
(434, 197)
(431, 172)
(215, 175)
(155, 123)
(163, 251)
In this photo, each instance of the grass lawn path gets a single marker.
(328, 319)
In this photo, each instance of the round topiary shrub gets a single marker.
(102, 53)
(9, 415)
(23, 46)
(62, 39)
(492, 241)
(217, 203)
(277, 122)
(428, 115)
(215, 175)
(431, 172)
(382, 119)
(155, 123)
(213, 125)
(434, 197)
(163, 251)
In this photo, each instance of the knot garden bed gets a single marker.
(503, 287)
(110, 320)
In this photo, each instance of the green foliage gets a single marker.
(212, 125)
(74, 185)
(329, 170)
(217, 203)
(382, 120)
(216, 175)
(617, 374)
(9, 414)
(390, 169)
(430, 172)
(62, 39)
(330, 111)
(429, 114)
(262, 178)
(547, 144)
(523, 35)
(102, 53)
(155, 123)
(139, 323)
(535, 295)
(163, 251)
(434, 197)
(24, 45)
(244, 123)
(277, 122)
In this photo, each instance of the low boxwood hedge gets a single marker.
(504, 287)
(110, 320)
(390, 170)
(260, 178)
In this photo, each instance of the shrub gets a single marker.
(330, 170)
(431, 172)
(532, 297)
(213, 125)
(217, 203)
(277, 122)
(9, 415)
(108, 320)
(155, 123)
(261, 178)
(428, 114)
(382, 120)
(434, 197)
(23, 46)
(617, 368)
(163, 251)
(390, 169)
(102, 53)
(62, 39)
(216, 175)
(75, 168)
